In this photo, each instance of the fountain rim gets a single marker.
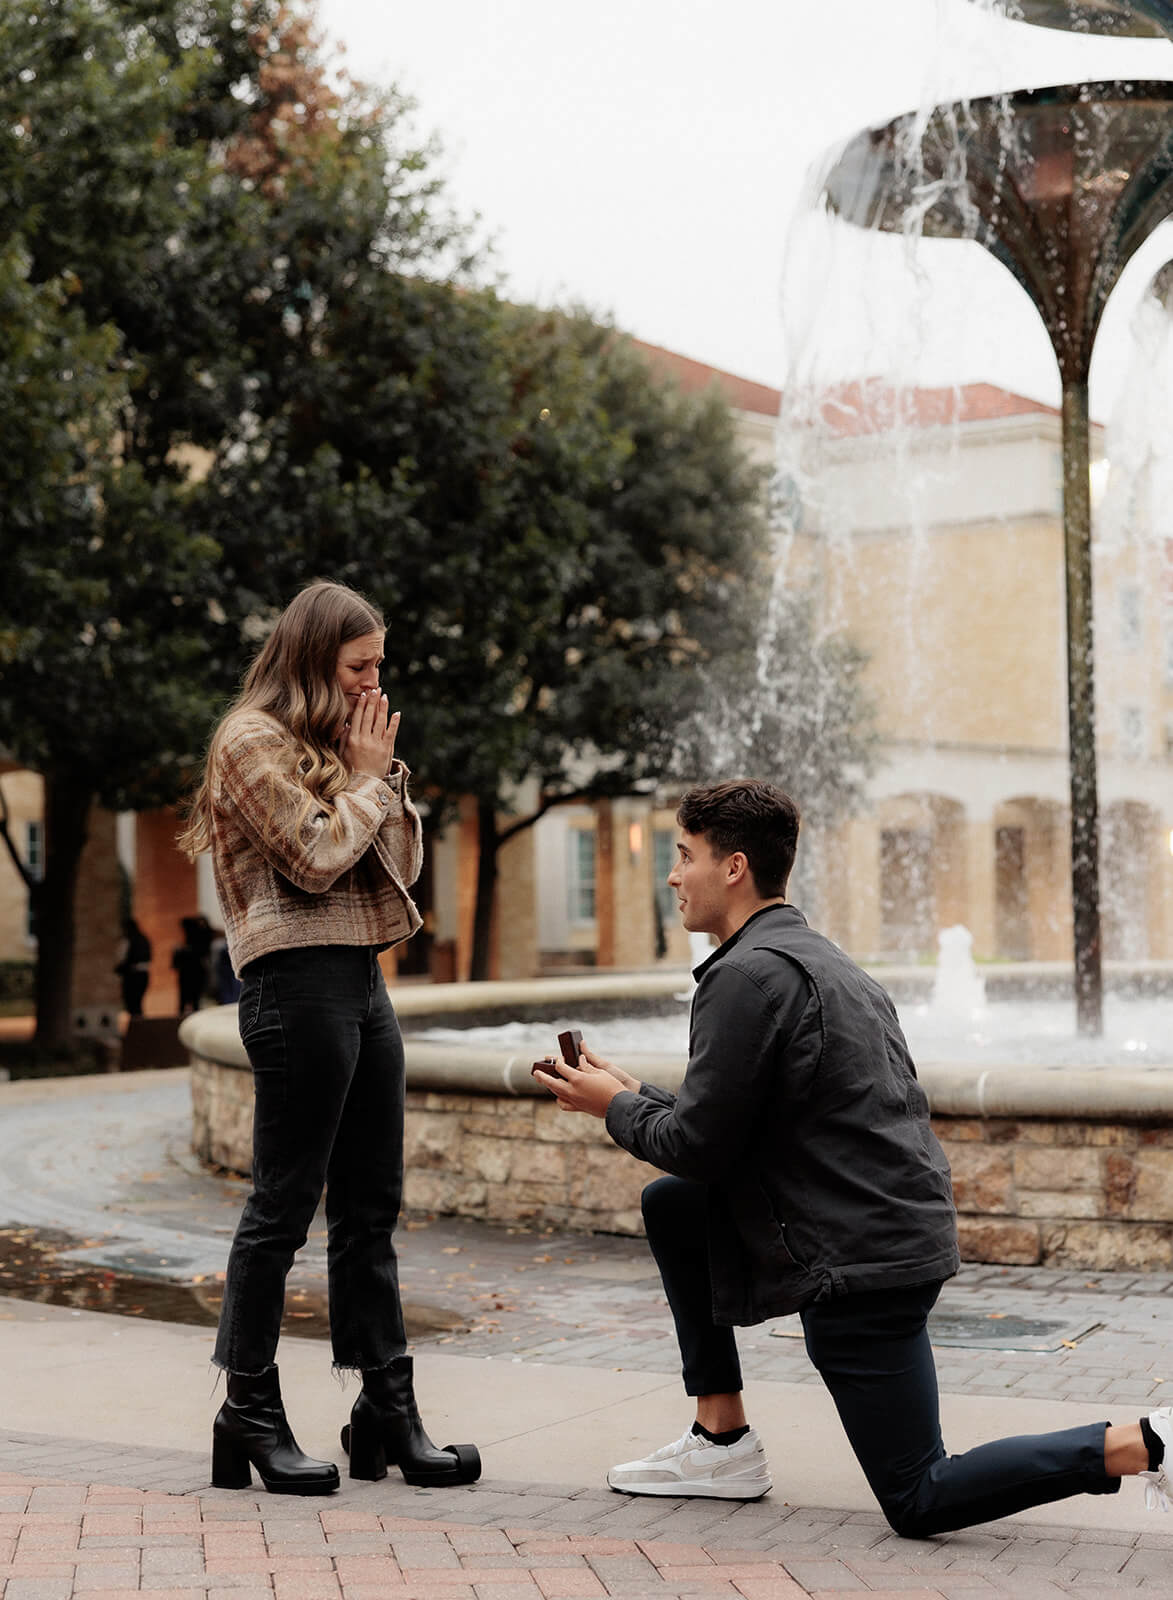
(211, 1037)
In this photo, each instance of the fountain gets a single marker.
(1062, 186)
(959, 992)
(1133, 19)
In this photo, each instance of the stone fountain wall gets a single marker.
(496, 1156)
(1065, 1169)
(519, 1161)
(1062, 1192)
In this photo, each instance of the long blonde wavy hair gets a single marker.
(294, 679)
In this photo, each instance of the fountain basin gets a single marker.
(1054, 1166)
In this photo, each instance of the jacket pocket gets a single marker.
(762, 1230)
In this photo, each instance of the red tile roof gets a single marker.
(743, 394)
(873, 406)
(850, 410)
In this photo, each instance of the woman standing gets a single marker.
(314, 844)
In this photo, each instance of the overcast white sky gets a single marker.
(648, 158)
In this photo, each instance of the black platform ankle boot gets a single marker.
(251, 1427)
(385, 1430)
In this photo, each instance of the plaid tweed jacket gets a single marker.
(289, 886)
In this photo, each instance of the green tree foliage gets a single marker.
(630, 523)
(555, 537)
(170, 176)
(241, 349)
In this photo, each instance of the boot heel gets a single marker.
(368, 1454)
(230, 1467)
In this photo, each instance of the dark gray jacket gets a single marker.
(801, 1110)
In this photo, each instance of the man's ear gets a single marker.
(736, 869)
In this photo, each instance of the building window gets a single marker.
(1129, 602)
(908, 909)
(580, 888)
(663, 860)
(1168, 674)
(1169, 738)
(1131, 732)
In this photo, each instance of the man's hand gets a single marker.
(625, 1078)
(590, 1086)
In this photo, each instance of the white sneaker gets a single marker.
(694, 1465)
(1158, 1486)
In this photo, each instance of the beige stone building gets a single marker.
(935, 538)
(931, 532)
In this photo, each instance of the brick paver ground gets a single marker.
(80, 1519)
(64, 1539)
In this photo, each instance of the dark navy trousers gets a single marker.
(328, 1075)
(873, 1353)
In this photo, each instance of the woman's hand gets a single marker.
(368, 741)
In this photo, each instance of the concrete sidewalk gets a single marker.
(104, 1477)
(567, 1365)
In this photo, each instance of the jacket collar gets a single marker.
(787, 915)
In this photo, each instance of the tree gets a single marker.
(56, 398)
(556, 539)
(265, 362)
(176, 181)
(626, 524)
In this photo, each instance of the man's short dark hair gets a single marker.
(758, 819)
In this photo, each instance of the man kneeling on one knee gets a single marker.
(804, 1176)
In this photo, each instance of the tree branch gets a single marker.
(549, 802)
(17, 861)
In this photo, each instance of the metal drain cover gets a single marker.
(980, 1330)
(983, 1330)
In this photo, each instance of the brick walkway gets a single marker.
(80, 1518)
(61, 1539)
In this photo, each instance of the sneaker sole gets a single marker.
(682, 1490)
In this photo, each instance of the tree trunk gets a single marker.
(67, 810)
(488, 843)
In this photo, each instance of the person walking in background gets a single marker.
(133, 966)
(225, 983)
(315, 843)
(189, 962)
(804, 1176)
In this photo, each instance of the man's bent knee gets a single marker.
(671, 1203)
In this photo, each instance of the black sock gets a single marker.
(731, 1436)
(1154, 1444)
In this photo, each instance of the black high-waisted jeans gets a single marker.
(327, 1061)
(872, 1350)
